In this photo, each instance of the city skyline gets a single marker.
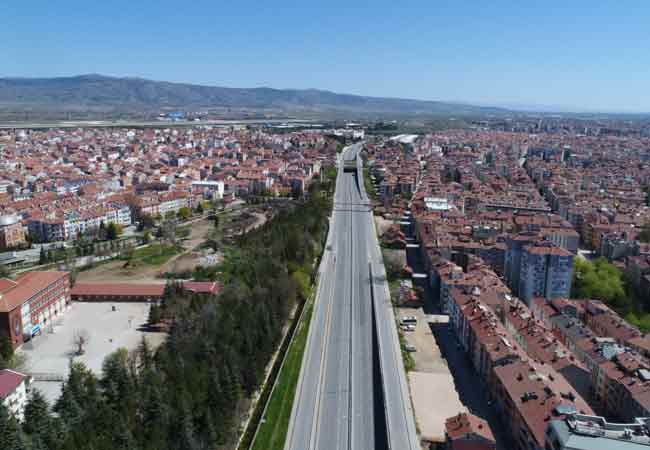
(562, 58)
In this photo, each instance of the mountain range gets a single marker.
(104, 93)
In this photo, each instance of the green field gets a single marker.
(273, 431)
(153, 255)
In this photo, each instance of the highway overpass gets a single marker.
(352, 393)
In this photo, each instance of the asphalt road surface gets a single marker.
(339, 402)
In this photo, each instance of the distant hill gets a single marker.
(102, 93)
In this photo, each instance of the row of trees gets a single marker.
(191, 393)
(603, 281)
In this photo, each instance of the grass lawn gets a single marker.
(154, 255)
(273, 431)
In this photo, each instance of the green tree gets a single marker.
(154, 314)
(6, 349)
(122, 438)
(10, 435)
(599, 280)
(146, 222)
(154, 412)
(101, 233)
(39, 424)
(42, 258)
(184, 213)
(113, 231)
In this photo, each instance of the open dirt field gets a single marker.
(382, 225)
(115, 271)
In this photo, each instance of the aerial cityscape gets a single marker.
(325, 227)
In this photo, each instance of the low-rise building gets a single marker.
(134, 292)
(466, 431)
(30, 303)
(13, 392)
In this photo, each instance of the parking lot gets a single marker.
(49, 355)
(433, 391)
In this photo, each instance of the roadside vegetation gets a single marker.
(407, 357)
(367, 183)
(273, 430)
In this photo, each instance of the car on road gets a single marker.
(410, 348)
(409, 327)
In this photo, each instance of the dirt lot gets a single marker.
(431, 382)
(115, 271)
(382, 225)
(398, 256)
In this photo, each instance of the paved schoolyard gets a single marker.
(108, 331)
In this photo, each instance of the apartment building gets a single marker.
(528, 396)
(67, 225)
(12, 233)
(546, 270)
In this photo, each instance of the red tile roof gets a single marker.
(26, 287)
(6, 285)
(9, 381)
(138, 290)
(118, 289)
(465, 425)
(201, 287)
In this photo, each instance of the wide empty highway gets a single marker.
(339, 399)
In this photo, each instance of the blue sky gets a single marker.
(574, 54)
